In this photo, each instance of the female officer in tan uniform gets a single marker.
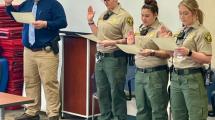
(152, 71)
(111, 65)
(188, 94)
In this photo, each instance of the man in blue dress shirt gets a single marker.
(40, 41)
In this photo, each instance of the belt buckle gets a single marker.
(47, 48)
(99, 57)
(187, 71)
(142, 70)
(181, 71)
(35, 49)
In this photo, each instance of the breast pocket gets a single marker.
(114, 23)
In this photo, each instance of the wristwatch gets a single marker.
(152, 53)
(91, 23)
(190, 52)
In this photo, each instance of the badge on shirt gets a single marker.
(208, 37)
(129, 21)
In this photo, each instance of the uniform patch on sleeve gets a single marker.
(208, 37)
(129, 21)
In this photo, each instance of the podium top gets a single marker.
(11, 100)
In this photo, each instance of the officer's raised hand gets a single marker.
(164, 32)
(130, 37)
(90, 14)
(39, 24)
(8, 2)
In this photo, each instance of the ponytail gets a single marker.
(200, 16)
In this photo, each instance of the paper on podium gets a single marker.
(132, 49)
(91, 37)
(165, 43)
(23, 17)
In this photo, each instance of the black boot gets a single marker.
(28, 117)
(211, 113)
(54, 118)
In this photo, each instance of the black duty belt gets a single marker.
(187, 71)
(105, 54)
(36, 49)
(153, 69)
(117, 53)
(47, 48)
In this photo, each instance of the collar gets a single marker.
(195, 25)
(154, 25)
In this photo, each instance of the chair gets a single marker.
(94, 95)
(212, 112)
(3, 74)
(94, 98)
(170, 110)
(211, 95)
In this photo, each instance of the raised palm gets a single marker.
(90, 13)
(164, 32)
(130, 37)
(8, 1)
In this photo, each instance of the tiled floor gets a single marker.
(10, 114)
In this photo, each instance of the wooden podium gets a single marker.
(78, 85)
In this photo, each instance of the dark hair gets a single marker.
(151, 5)
(193, 6)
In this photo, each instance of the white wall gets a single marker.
(76, 12)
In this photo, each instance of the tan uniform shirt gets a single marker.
(150, 61)
(116, 27)
(199, 40)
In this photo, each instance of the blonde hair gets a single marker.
(193, 6)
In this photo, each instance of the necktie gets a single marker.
(143, 30)
(107, 15)
(182, 35)
(31, 34)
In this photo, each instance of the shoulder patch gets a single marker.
(207, 37)
(129, 21)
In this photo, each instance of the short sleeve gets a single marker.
(127, 26)
(204, 43)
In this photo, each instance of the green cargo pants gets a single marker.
(188, 97)
(110, 80)
(151, 95)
